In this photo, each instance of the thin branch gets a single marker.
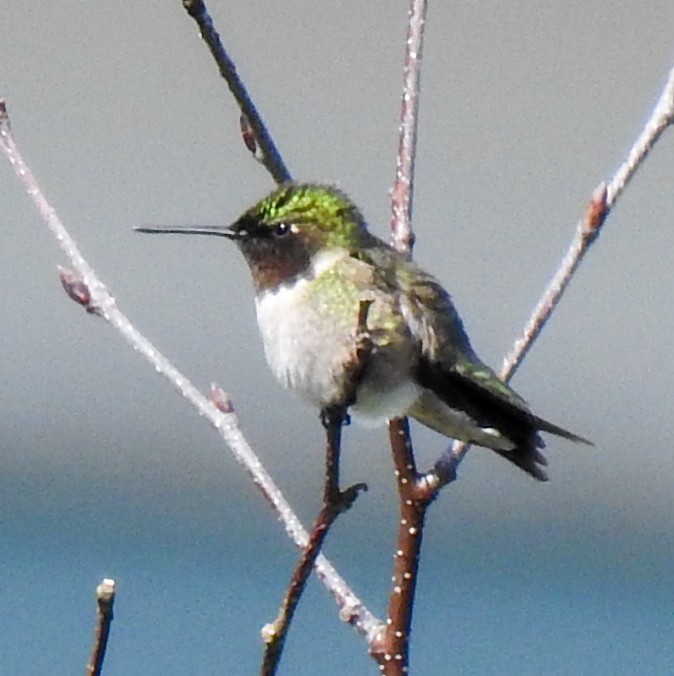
(661, 117)
(391, 651)
(603, 200)
(402, 235)
(335, 501)
(262, 141)
(586, 233)
(105, 599)
(100, 302)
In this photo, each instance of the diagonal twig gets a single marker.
(269, 155)
(335, 502)
(603, 200)
(99, 301)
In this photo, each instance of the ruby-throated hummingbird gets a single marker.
(313, 261)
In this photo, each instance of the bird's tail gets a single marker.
(497, 417)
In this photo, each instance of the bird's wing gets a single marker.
(451, 370)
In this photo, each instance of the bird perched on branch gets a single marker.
(313, 261)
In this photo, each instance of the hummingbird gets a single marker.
(313, 261)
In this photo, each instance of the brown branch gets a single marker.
(255, 134)
(335, 501)
(391, 650)
(105, 599)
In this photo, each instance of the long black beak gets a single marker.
(217, 230)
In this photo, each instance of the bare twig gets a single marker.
(100, 301)
(587, 230)
(391, 650)
(335, 501)
(105, 599)
(402, 235)
(261, 141)
(661, 117)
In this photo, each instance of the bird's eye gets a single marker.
(282, 228)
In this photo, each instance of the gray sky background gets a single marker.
(120, 112)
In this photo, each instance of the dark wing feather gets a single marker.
(451, 369)
(475, 388)
(489, 409)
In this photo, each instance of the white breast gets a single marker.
(294, 332)
(307, 348)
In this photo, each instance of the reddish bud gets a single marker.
(596, 213)
(221, 399)
(247, 134)
(76, 289)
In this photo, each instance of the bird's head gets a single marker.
(282, 234)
